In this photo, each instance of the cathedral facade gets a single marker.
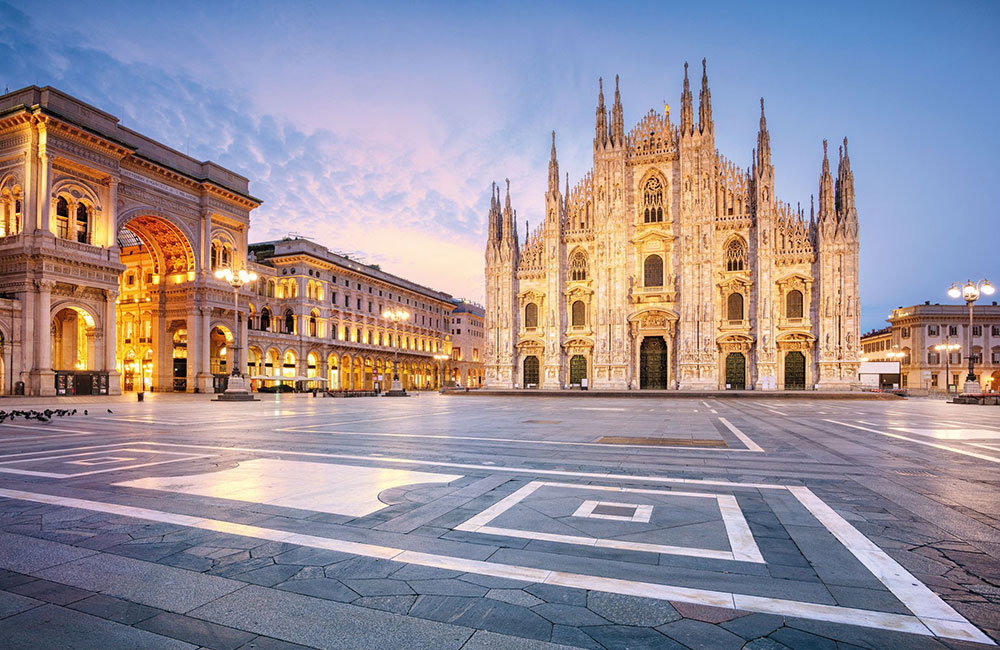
(669, 267)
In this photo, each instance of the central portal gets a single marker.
(653, 363)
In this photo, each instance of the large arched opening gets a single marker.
(157, 256)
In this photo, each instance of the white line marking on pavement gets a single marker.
(486, 468)
(530, 441)
(751, 445)
(938, 618)
(966, 452)
(596, 408)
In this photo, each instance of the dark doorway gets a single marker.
(653, 363)
(795, 371)
(530, 371)
(180, 375)
(577, 369)
(736, 371)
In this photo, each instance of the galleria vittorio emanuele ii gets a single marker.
(669, 267)
(108, 250)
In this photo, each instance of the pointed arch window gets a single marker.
(578, 266)
(652, 201)
(736, 255)
(793, 304)
(652, 271)
(62, 218)
(265, 320)
(82, 224)
(579, 313)
(531, 315)
(734, 307)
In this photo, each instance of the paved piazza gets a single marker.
(482, 522)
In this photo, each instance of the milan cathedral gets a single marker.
(669, 267)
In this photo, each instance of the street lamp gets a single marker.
(947, 347)
(441, 358)
(396, 316)
(237, 388)
(970, 293)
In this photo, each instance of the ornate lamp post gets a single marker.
(441, 358)
(970, 293)
(396, 316)
(947, 347)
(237, 389)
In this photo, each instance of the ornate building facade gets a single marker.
(109, 242)
(667, 266)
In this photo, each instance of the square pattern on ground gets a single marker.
(70, 463)
(698, 524)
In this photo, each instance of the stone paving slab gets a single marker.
(52, 627)
(326, 624)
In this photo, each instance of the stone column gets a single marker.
(44, 207)
(193, 341)
(204, 358)
(42, 377)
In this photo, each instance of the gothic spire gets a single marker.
(617, 121)
(601, 129)
(846, 212)
(687, 112)
(553, 168)
(492, 223)
(705, 101)
(826, 192)
(763, 141)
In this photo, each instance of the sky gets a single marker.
(377, 128)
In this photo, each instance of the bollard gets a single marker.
(140, 396)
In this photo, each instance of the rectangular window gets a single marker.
(347, 300)
(333, 297)
(933, 330)
(995, 330)
(995, 357)
(359, 304)
(370, 306)
(933, 358)
(953, 330)
(954, 380)
(934, 380)
(905, 333)
(977, 330)
(955, 357)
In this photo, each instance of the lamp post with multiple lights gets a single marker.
(970, 293)
(237, 388)
(897, 354)
(947, 347)
(396, 316)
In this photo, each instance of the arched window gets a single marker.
(265, 320)
(62, 218)
(226, 255)
(531, 315)
(579, 313)
(214, 257)
(736, 255)
(652, 201)
(16, 226)
(82, 224)
(793, 304)
(734, 306)
(652, 271)
(578, 266)
(289, 322)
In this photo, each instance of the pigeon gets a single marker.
(109, 411)
(85, 412)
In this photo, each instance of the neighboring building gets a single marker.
(467, 344)
(915, 332)
(669, 267)
(314, 313)
(108, 246)
(105, 252)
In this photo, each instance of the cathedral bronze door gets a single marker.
(653, 363)
(795, 371)
(736, 371)
(577, 369)
(530, 371)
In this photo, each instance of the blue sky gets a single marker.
(377, 128)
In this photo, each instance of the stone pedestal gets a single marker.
(237, 391)
(396, 389)
(971, 387)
